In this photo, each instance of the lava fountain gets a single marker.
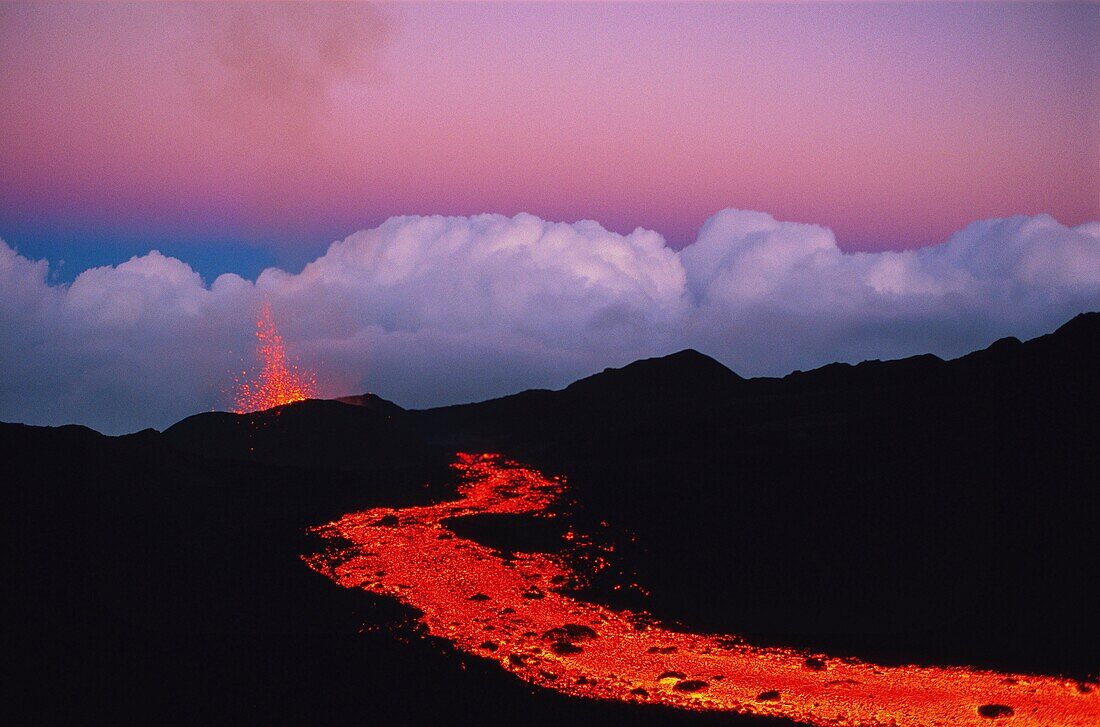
(278, 382)
(515, 611)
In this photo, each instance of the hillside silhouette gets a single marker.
(917, 510)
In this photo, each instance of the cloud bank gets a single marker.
(436, 310)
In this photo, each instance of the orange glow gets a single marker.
(278, 382)
(512, 610)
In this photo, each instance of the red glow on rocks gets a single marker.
(514, 612)
(278, 382)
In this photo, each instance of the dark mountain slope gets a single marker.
(893, 496)
(651, 394)
(372, 402)
(914, 510)
(149, 585)
(366, 433)
(685, 374)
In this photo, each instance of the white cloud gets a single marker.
(433, 310)
(775, 296)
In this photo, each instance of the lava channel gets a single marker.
(512, 610)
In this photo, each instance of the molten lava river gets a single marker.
(513, 610)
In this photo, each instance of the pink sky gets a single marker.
(288, 125)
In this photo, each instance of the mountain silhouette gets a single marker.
(918, 510)
(353, 434)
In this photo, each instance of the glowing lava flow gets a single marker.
(278, 383)
(511, 610)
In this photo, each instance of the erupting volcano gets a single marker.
(278, 382)
(514, 611)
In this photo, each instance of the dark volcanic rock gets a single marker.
(866, 510)
(870, 500)
(564, 648)
(995, 710)
(570, 632)
(313, 433)
(510, 533)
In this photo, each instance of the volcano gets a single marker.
(859, 527)
(277, 382)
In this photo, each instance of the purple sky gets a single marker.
(268, 132)
(412, 189)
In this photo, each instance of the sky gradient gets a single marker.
(238, 137)
(446, 203)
